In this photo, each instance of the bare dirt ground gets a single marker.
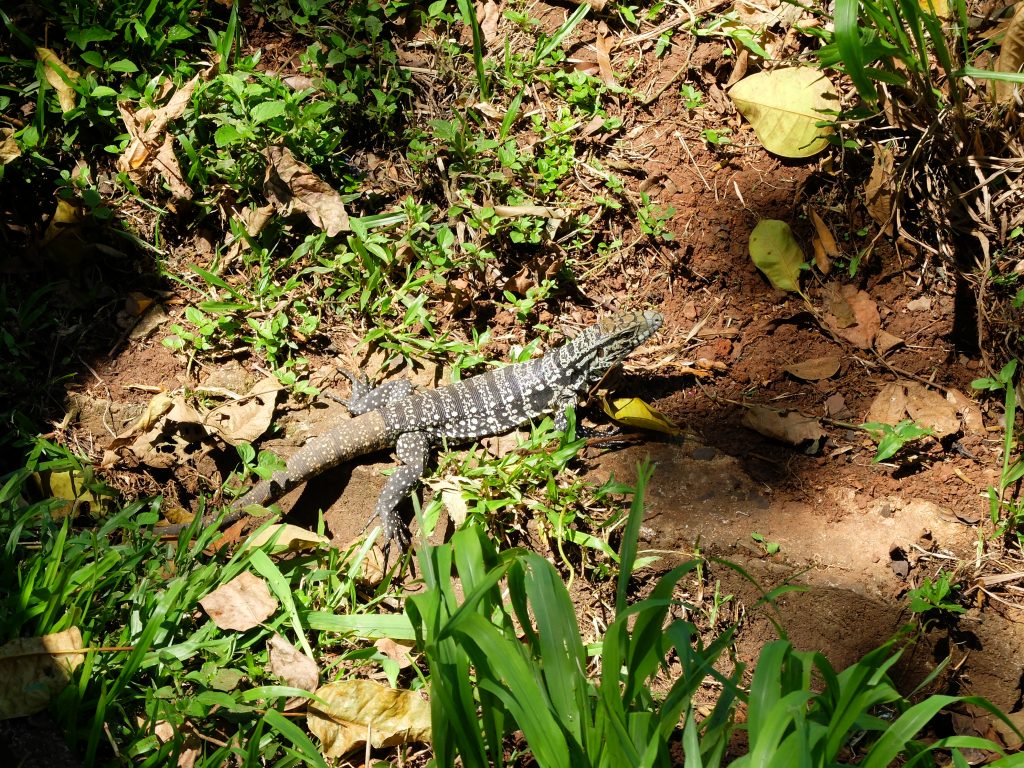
(857, 534)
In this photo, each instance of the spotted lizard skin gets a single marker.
(416, 421)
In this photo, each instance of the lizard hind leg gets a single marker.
(366, 397)
(413, 451)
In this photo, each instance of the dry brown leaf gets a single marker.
(292, 184)
(828, 240)
(835, 406)
(242, 421)
(605, 43)
(241, 604)
(9, 149)
(400, 653)
(821, 259)
(66, 219)
(1011, 57)
(147, 126)
(970, 413)
(353, 709)
(33, 670)
(930, 409)
(889, 406)
(455, 505)
(815, 369)
(160, 404)
(878, 190)
(851, 314)
(168, 442)
(884, 341)
(487, 14)
(166, 164)
(60, 76)
(793, 428)
(292, 667)
(253, 220)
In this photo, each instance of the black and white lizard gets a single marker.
(393, 414)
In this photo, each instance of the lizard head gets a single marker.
(608, 342)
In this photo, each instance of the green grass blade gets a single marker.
(631, 535)
(848, 42)
(469, 18)
(296, 736)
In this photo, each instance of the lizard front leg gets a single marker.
(413, 451)
(367, 398)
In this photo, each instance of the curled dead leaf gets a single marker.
(488, 14)
(889, 406)
(634, 412)
(291, 183)
(244, 420)
(793, 428)
(1011, 57)
(288, 538)
(970, 413)
(166, 164)
(884, 341)
(9, 149)
(879, 190)
(60, 77)
(292, 667)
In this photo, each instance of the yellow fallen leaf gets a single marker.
(70, 485)
(288, 538)
(784, 106)
(33, 670)
(634, 412)
(352, 710)
(60, 77)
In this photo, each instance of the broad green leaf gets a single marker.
(785, 106)
(775, 251)
(226, 134)
(268, 110)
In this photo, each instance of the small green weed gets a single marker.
(163, 659)
(1006, 511)
(769, 547)
(893, 438)
(653, 220)
(936, 597)
(717, 137)
(692, 98)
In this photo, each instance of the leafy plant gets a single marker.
(530, 662)
(893, 438)
(933, 596)
(717, 137)
(692, 98)
(653, 219)
(1006, 513)
(769, 547)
